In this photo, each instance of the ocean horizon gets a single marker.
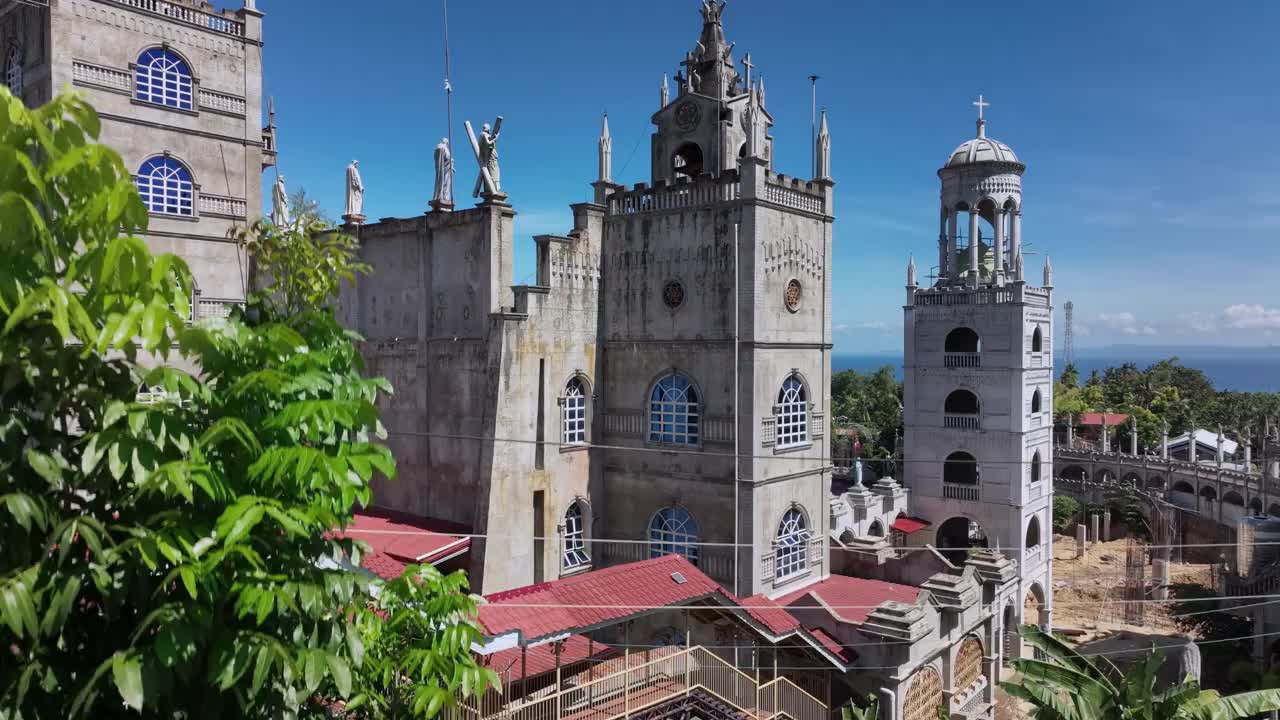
(1237, 369)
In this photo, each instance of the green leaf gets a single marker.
(126, 669)
(341, 673)
(188, 575)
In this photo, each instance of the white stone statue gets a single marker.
(489, 155)
(443, 195)
(279, 203)
(355, 191)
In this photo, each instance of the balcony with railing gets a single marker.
(961, 421)
(960, 491)
(186, 14)
(961, 360)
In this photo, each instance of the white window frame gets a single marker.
(673, 530)
(791, 547)
(791, 414)
(573, 413)
(575, 554)
(162, 77)
(163, 190)
(675, 411)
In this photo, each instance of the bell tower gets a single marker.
(717, 117)
(978, 393)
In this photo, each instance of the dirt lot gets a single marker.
(1085, 587)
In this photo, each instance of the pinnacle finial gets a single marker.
(911, 271)
(1048, 272)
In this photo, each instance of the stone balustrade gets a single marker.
(964, 296)
(221, 102)
(684, 193)
(961, 421)
(90, 74)
(225, 206)
(962, 360)
(958, 491)
(794, 193)
(215, 309)
(189, 15)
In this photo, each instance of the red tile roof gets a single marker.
(1111, 419)
(595, 598)
(851, 599)
(542, 658)
(395, 543)
(846, 654)
(909, 524)
(770, 614)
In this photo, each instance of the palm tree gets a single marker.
(1069, 686)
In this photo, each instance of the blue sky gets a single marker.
(1149, 130)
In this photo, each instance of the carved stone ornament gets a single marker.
(687, 115)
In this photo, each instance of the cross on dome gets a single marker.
(980, 104)
(982, 124)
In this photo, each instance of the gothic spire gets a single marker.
(1048, 272)
(606, 151)
(911, 272)
(823, 150)
(711, 68)
(666, 92)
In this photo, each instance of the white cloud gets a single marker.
(1252, 317)
(1199, 321)
(1124, 322)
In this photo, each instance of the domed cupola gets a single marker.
(981, 182)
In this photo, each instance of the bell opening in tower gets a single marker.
(687, 160)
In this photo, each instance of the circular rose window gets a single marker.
(792, 297)
(673, 294)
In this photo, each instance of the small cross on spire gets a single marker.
(746, 62)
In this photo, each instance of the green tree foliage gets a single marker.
(1069, 686)
(1066, 509)
(868, 710)
(871, 403)
(174, 557)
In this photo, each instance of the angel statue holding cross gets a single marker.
(486, 151)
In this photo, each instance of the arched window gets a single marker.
(1037, 341)
(687, 160)
(166, 187)
(792, 414)
(961, 402)
(1035, 467)
(791, 554)
(575, 545)
(13, 69)
(962, 340)
(573, 413)
(1035, 401)
(163, 78)
(673, 411)
(960, 468)
(673, 531)
(1033, 532)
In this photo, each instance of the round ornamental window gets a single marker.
(687, 115)
(792, 296)
(673, 294)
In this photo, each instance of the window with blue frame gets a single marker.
(673, 411)
(673, 531)
(163, 78)
(166, 187)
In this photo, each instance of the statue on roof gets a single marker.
(355, 191)
(279, 203)
(443, 196)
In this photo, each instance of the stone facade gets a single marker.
(94, 47)
(711, 283)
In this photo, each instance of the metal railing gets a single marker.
(674, 673)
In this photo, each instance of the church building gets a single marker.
(663, 384)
